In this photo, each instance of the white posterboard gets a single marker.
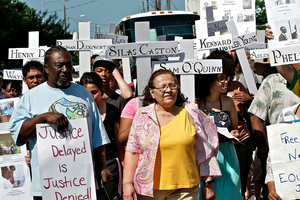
(66, 159)
(281, 16)
(284, 147)
(12, 159)
(242, 12)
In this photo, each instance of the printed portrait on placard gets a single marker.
(12, 176)
(7, 145)
(214, 4)
(240, 17)
(247, 4)
(293, 29)
(249, 18)
(283, 30)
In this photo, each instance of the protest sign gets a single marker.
(65, 160)
(284, 55)
(241, 12)
(282, 17)
(12, 74)
(15, 181)
(284, 142)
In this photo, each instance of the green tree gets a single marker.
(261, 15)
(17, 19)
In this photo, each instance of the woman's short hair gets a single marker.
(147, 95)
(204, 81)
(91, 78)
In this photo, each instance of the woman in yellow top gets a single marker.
(171, 145)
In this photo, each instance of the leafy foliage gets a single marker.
(17, 19)
(261, 15)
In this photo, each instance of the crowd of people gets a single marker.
(169, 148)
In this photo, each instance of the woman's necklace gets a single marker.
(205, 110)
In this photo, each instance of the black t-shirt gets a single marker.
(112, 116)
(116, 100)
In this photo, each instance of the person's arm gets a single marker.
(233, 117)
(260, 136)
(120, 148)
(125, 125)
(287, 72)
(208, 192)
(126, 91)
(100, 161)
(28, 129)
(130, 165)
(272, 191)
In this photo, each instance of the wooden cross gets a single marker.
(33, 52)
(84, 45)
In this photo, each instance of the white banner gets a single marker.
(92, 44)
(26, 53)
(116, 39)
(284, 142)
(213, 42)
(208, 66)
(142, 49)
(65, 161)
(284, 55)
(10, 74)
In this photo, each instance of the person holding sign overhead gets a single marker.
(209, 89)
(56, 101)
(166, 129)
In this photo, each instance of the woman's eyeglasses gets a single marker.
(172, 86)
(223, 79)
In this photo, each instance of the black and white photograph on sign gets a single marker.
(7, 145)
(205, 5)
(284, 32)
(12, 176)
(247, 4)
(240, 17)
(283, 2)
(214, 4)
(293, 29)
(227, 15)
(249, 18)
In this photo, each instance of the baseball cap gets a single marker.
(104, 62)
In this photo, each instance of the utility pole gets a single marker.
(143, 6)
(65, 18)
(168, 5)
(159, 5)
(155, 4)
(147, 5)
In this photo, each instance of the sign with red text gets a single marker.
(284, 142)
(65, 161)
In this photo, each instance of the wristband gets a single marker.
(206, 183)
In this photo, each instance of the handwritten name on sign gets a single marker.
(116, 39)
(26, 53)
(241, 41)
(142, 49)
(92, 44)
(284, 55)
(209, 66)
(259, 54)
(216, 26)
(62, 156)
(10, 74)
(213, 42)
(284, 146)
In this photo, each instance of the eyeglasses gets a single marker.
(223, 79)
(38, 77)
(172, 86)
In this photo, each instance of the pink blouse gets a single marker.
(144, 138)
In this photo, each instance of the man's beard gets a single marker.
(63, 84)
